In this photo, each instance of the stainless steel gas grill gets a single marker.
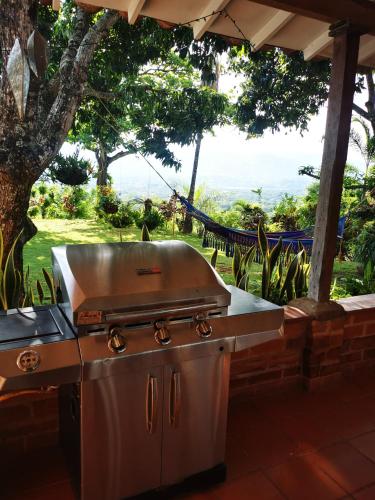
(37, 348)
(155, 327)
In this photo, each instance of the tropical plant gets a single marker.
(213, 260)
(122, 218)
(70, 170)
(365, 244)
(152, 219)
(10, 278)
(286, 213)
(145, 234)
(251, 215)
(241, 266)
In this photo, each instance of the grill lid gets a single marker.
(135, 277)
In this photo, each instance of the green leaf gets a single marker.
(145, 234)
(275, 254)
(40, 291)
(262, 241)
(49, 281)
(214, 258)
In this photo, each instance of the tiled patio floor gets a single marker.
(297, 446)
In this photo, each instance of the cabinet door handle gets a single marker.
(151, 404)
(175, 399)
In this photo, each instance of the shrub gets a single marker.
(152, 219)
(364, 250)
(122, 218)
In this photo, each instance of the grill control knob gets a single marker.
(203, 327)
(162, 335)
(116, 341)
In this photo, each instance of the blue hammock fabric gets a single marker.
(225, 238)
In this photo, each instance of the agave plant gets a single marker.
(145, 233)
(284, 275)
(10, 278)
(17, 290)
(213, 261)
(241, 266)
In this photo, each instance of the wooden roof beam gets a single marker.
(277, 21)
(134, 10)
(200, 27)
(366, 51)
(358, 14)
(56, 4)
(317, 45)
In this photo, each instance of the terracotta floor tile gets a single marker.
(252, 486)
(299, 479)
(365, 444)
(347, 466)
(366, 494)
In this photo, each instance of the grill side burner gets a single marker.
(156, 327)
(37, 348)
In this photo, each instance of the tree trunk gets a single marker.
(188, 222)
(30, 143)
(103, 164)
(14, 203)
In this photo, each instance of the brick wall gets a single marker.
(28, 422)
(312, 353)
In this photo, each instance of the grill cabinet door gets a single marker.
(195, 416)
(121, 438)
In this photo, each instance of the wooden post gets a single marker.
(340, 102)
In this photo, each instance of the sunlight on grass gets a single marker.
(37, 253)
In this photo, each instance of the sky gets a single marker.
(231, 162)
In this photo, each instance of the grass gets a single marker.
(54, 232)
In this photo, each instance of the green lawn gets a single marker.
(60, 232)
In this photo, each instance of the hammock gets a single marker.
(225, 238)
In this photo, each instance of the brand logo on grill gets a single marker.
(149, 270)
(89, 317)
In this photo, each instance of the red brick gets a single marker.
(320, 326)
(336, 338)
(338, 323)
(362, 316)
(353, 331)
(370, 328)
(369, 354)
(363, 343)
(296, 343)
(329, 369)
(319, 341)
(10, 414)
(290, 372)
(263, 377)
(276, 345)
(42, 440)
(351, 356)
(333, 353)
(247, 365)
(47, 407)
(313, 357)
(311, 371)
(294, 330)
(241, 354)
(238, 383)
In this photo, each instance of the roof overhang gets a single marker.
(301, 25)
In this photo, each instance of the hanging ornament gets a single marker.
(18, 72)
(37, 53)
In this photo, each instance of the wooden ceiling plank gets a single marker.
(267, 31)
(56, 4)
(134, 10)
(201, 26)
(358, 14)
(317, 45)
(366, 51)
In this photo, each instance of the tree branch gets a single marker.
(73, 76)
(117, 156)
(361, 111)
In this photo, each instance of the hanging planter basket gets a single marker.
(109, 207)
